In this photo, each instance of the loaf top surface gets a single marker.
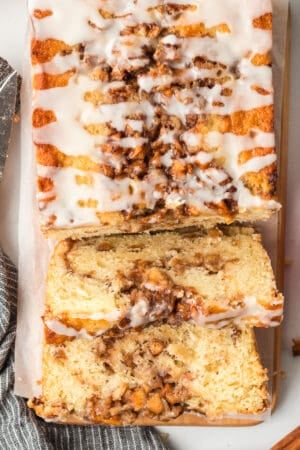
(149, 114)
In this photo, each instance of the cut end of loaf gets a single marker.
(212, 278)
(115, 223)
(159, 373)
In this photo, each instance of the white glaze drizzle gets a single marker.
(59, 328)
(140, 315)
(252, 311)
(101, 37)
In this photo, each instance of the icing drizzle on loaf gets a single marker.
(142, 106)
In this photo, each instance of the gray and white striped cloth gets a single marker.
(20, 429)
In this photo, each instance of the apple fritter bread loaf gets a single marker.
(150, 114)
(158, 373)
(212, 278)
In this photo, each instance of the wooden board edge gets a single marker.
(282, 194)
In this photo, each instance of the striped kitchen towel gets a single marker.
(20, 429)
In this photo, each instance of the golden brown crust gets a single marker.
(42, 13)
(262, 183)
(49, 155)
(262, 59)
(52, 338)
(43, 81)
(45, 184)
(239, 123)
(246, 155)
(263, 22)
(45, 50)
(42, 117)
(260, 90)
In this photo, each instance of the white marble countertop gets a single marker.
(287, 414)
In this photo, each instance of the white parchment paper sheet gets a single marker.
(34, 250)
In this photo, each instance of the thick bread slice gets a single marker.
(158, 373)
(212, 278)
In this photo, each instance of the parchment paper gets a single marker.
(34, 250)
